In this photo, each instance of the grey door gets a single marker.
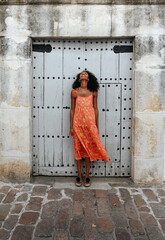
(55, 65)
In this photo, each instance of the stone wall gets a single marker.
(22, 20)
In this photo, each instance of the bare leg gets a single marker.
(79, 168)
(88, 163)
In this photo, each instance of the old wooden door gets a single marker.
(55, 65)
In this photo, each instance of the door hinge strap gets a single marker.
(42, 48)
(122, 49)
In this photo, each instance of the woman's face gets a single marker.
(84, 76)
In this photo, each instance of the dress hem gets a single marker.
(92, 160)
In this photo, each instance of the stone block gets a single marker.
(78, 196)
(29, 218)
(162, 223)
(148, 219)
(4, 234)
(1, 196)
(144, 209)
(49, 209)
(135, 20)
(90, 202)
(90, 233)
(90, 217)
(61, 235)
(124, 193)
(77, 231)
(27, 188)
(139, 201)
(15, 168)
(136, 227)
(77, 208)
(25, 232)
(10, 49)
(154, 233)
(10, 197)
(148, 140)
(122, 234)
(114, 201)
(161, 192)
(45, 228)
(15, 133)
(2, 17)
(100, 193)
(150, 195)
(158, 209)
(17, 208)
(148, 170)
(70, 20)
(100, 209)
(149, 50)
(62, 220)
(149, 93)
(87, 2)
(15, 84)
(65, 203)
(112, 190)
(39, 191)
(105, 236)
(5, 189)
(163, 201)
(54, 193)
(10, 222)
(119, 218)
(130, 210)
(105, 225)
(23, 197)
(34, 204)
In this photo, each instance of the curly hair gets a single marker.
(92, 85)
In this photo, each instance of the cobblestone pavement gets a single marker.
(60, 212)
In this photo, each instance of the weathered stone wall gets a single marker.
(18, 23)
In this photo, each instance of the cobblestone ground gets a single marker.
(38, 211)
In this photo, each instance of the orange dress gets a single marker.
(86, 136)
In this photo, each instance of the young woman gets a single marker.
(84, 123)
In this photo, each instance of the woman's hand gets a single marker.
(71, 132)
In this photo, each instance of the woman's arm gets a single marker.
(95, 108)
(73, 103)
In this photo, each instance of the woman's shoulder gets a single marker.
(74, 93)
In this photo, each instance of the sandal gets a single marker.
(78, 182)
(87, 182)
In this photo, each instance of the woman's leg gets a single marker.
(88, 163)
(79, 168)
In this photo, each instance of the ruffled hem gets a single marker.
(94, 159)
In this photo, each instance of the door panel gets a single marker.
(112, 114)
(56, 63)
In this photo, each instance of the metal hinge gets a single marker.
(42, 48)
(122, 49)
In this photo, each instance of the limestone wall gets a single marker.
(22, 20)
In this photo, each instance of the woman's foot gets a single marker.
(78, 181)
(87, 182)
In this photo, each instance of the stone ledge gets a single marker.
(92, 2)
(97, 182)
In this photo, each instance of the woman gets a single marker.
(84, 123)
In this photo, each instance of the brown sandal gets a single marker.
(87, 182)
(78, 182)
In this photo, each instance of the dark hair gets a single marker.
(92, 85)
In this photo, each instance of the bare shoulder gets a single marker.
(74, 93)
